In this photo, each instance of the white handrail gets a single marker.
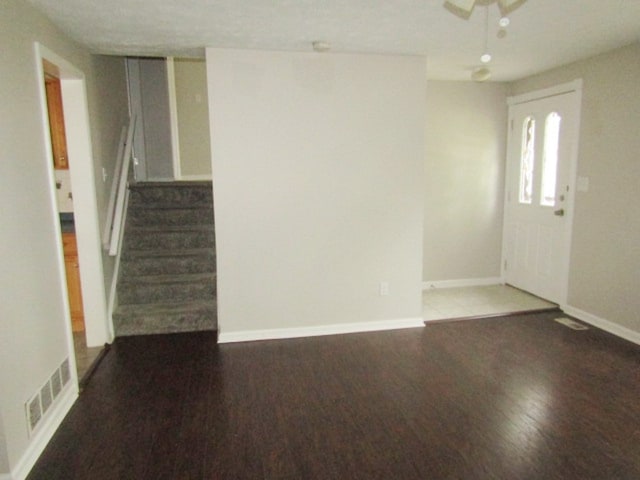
(106, 232)
(118, 216)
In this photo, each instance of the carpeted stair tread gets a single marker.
(180, 252)
(165, 184)
(164, 279)
(145, 309)
(169, 206)
(196, 227)
(165, 318)
(169, 262)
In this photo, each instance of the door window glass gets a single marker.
(550, 159)
(527, 160)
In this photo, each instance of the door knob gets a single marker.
(559, 213)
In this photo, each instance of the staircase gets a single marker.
(167, 281)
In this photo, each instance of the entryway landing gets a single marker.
(464, 302)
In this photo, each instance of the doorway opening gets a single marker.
(65, 123)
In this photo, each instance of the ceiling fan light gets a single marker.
(460, 8)
(508, 6)
(465, 5)
(481, 74)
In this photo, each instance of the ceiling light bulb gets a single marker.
(486, 58)
(504, 22)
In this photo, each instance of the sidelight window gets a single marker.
(550, 159)
(527, 160)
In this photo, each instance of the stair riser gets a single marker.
(175, 292)
(178, 197)
(170, 240)
(171, 323)
(167, 266)
(145, 217)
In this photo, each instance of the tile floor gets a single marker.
(85, 356)
(461, 302)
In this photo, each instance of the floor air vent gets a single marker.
(567, 322)
(38, 405)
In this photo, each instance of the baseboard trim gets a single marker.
(45, 432)
(606, 325)
(463, 282)
(335, 329)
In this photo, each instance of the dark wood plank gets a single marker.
(505, 398)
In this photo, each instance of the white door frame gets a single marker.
(98, 328)
(570, 87)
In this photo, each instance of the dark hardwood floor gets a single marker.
(520, 397)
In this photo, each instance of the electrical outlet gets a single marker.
(384, 288)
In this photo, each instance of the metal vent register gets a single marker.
(567, 322)
(38, 405)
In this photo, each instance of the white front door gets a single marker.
(539, 194)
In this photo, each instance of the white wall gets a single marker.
(605, 258)
(464, 180)
(193, 117)
(4, 460)
(317, 162)
(33, 340)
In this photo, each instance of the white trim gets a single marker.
(196, 178)
(573, 86)
(113, 292)
(59, 252)
(173, 118)
(463, 282)
(315, 331)
(606, 325)
(108, 223)
(45, 432)
(81, 170)
(119, 210)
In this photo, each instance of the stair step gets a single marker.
(158, 262)
(151, 229)
(158, 288)
(172, 238)
(173, 193)
(165, 318)
(170, 279)
(157, 216)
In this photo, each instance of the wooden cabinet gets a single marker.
(56, 122)
(73, 281)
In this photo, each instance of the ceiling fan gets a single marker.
(464, 8)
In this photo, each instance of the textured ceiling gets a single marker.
(542, 33)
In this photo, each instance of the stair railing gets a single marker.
(112, 232)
